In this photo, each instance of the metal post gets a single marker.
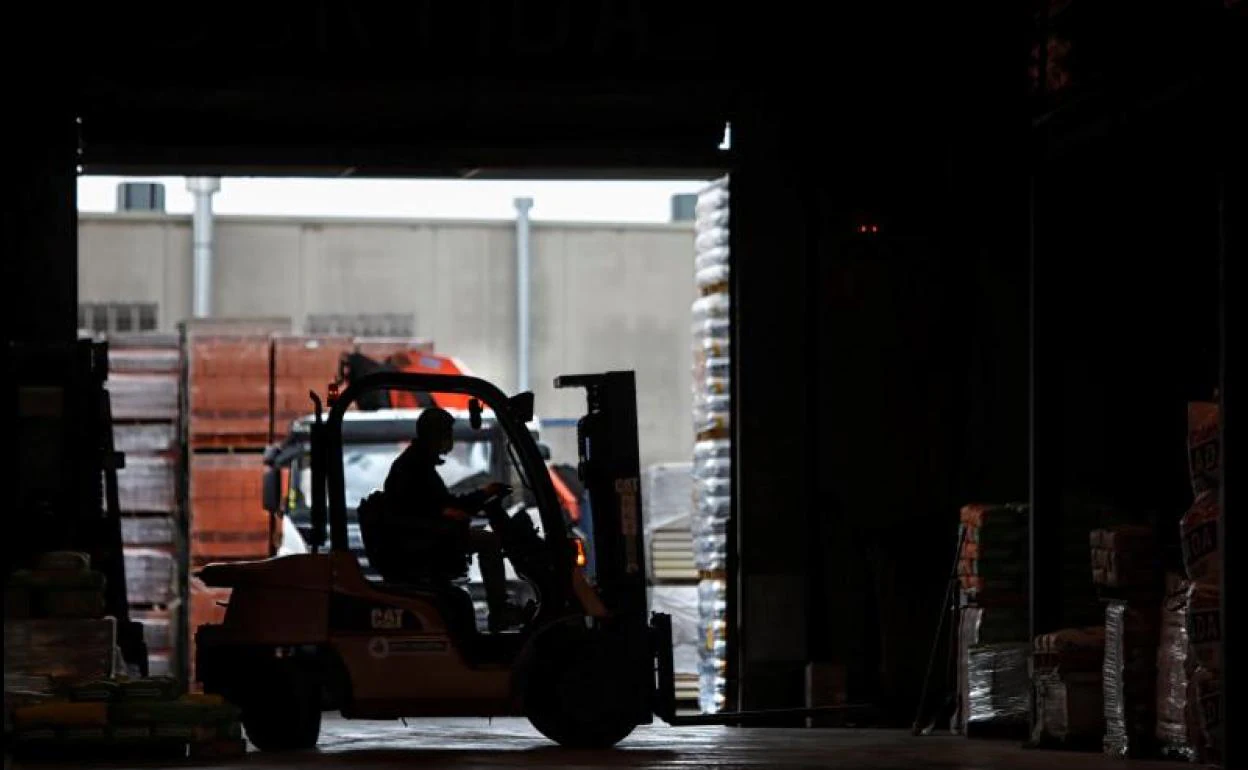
(523, 257)
(203, 189)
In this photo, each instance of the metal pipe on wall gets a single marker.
(523, 259)
(202, 188)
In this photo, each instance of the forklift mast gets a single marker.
(609, 467)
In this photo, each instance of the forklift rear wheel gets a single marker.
(282, 708)
(579, 696)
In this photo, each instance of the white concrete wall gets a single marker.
(603, 296)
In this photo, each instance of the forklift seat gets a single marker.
(407, 560)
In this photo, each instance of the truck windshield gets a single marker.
(365, 467)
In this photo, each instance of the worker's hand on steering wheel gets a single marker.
(496, 489)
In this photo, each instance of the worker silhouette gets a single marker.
(416, 495)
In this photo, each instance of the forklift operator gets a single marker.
(415, 492)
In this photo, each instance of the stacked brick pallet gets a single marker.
(144, 391)
(994, 625)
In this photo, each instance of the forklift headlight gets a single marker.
(581, 561)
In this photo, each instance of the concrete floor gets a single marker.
(472, 743)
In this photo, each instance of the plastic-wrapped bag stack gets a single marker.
(712, 460)
(1202, 559)
(1174, 731)
(1130, 677)
(1126, 572)
(993, 621)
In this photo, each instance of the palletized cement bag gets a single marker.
(719, 328)
(1172, 731)
(707, 348)
(714, 403)
(712, 424)
(713, 468)
(712, 487)
(710, 508)
(1130, 678)
(711, 217)
(72, 649)
(1203, 450)
(711, 306)
(711, 257)
(710, 561)
(713, 278)
(1204, 625)
(707, 450)
(713, 198)
(1068, 709)
(713, 599)
(68, 561)
(711, 238)
(999, 687)
(1202, 552)
(1204, 694)
(711, 387)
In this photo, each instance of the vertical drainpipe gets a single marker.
(523, 255)
(203, 188)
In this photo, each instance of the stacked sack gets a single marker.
(993, 623)
(60, 585)
(1202, 559)
(63, 687)
(712, 464)
(1126, 569)
(1066, 676)
(1174, 731)
(127, 715)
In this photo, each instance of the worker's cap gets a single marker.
(434, 423)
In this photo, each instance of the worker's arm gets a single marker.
(475, 501)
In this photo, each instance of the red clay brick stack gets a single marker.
(228, 372)
(302, 364)
(229, 389)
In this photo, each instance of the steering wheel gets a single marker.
(498, 498)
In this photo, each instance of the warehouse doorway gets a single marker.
(438, 294)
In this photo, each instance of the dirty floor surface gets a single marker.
(478, 743)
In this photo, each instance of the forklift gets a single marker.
(307, 633)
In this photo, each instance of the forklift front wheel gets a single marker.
(282, 707)
(576, 691)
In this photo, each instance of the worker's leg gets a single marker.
(490, 558)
